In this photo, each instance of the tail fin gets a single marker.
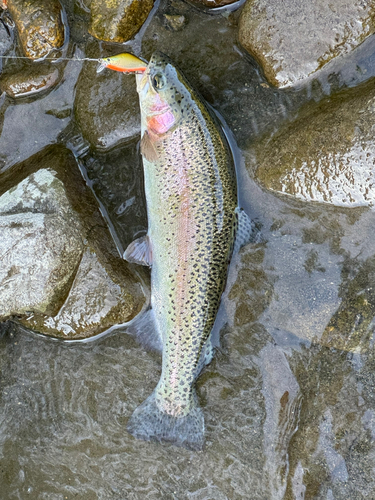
(148, 422)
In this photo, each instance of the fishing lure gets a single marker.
(125, 62)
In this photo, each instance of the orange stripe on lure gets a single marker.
(126, 63)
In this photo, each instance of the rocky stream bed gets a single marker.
(289, 398)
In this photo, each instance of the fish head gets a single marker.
(163, 95)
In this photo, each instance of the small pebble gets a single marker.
(175, 23)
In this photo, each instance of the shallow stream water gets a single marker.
(289, 399)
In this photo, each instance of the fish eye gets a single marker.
(158, 81)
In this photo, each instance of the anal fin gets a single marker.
(247, 231)
(139, 252)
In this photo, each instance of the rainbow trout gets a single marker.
(191, 195)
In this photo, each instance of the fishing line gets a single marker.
(99, 60)
(56, 59)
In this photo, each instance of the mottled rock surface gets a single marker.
(61, 274)
(30, 82)
(351, 327)
(175, 23)
(213, 3)
(118, 20)
(40, 245)
(107, 107)
(98, 299)
(39, 25)
(327, 154)
(294, 39)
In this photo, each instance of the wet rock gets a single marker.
(39, 25)
(61, 273)
(107, 107)
(213, 3)
(333, 451)
(175, 22)
(41, 245)
(296, 39)
(96, 301)
(5, 39)
(282, 396)
(118, 20)
(116, 178)
(327, 154)
(351, 327)
(29, 125)
(33, 80)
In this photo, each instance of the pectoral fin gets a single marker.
(139, 252)
(148, 149)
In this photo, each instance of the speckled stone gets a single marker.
(327, 155)
(39, 25)
(118, 20)
(293, 39)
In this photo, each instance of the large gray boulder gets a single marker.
(294, 38)
(60, 272)
(327, 154)
(41, 245)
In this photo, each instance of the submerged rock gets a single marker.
(213, 3)
(175, 22)
(39, 25)
(327, 154)
(118, 20)
(351, 328)
(31, 81)
(61, 274)
(37, 122)
(6, 39)
(293, 39)
(107, 107)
